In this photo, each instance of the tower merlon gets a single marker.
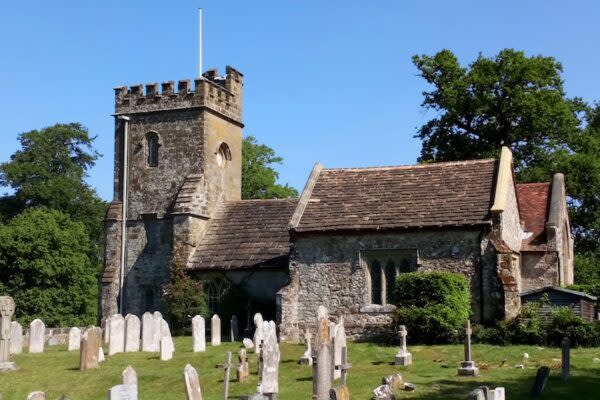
(222, 95)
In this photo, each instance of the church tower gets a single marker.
(184, 150)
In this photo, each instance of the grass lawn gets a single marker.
(56, 372)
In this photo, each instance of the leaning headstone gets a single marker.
(36, 396)
(147, 332)
(403, 357)
(243, 369)
(338, 343)
(7, 309)
(271, 358)
(258, 336)
(123, 392)
(307, 356)
(540, 382)
(129, 376)
(116, 342)
(215, 330)
(248, 344)
(16, 338)
(192, 383)
(74, 339)
(89, 349)
(234, 328)
(132, 333)
(199, 334)
(467, 367)
(322, 360)
(37, 331)
(383, 392)
(565, 359)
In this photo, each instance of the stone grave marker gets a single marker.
(565, 359)
(541, 378)
(156, 330)
(129, 376)
(403, 357)
(106, 330)
(248, 343)
(37, 332)
(323, 358)
(226, 367)
(192, 383)
(234, 328)
(37, 395)
(147, 332)
(89, 349)
(468, 367)
(383, 392)
(339, 393)
(395, 382)
(123, 392)
(271, 357)
(338, 342)
(166, 343)
(116, 342)
(307, 356)
(7, 310)
(258, 336)
(74, 339)
(16, 338)
(132, 333)
(101, 354)
(496, 394)
(243, 369)
(259, 359)
(478, 394)
(199, 334)
(343, 366)
(215, 330)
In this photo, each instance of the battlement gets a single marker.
(221, 94)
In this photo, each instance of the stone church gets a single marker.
(340, 244)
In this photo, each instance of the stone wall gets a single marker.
(538, 270)
(327, 270)
(510, 221)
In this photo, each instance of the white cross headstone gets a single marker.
(215, 331)
(116, 342)
(198, 334)
(403, 357)
(37, 332)
(74, 339)
(467, 367)
(132, 333)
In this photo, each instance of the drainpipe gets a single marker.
(125, 119)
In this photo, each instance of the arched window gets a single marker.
(376, 283)
(223, 154)
(390, 280)
(152, 145)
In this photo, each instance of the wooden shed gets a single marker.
(583, 304)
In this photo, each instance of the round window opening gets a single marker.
(223, 154)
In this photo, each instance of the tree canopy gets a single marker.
(259, 179)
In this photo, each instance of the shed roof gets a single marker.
(559, 289)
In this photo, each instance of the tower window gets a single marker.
(152, 146)
(223, 154)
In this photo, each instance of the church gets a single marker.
(177, 202)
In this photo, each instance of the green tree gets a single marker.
(44, 266)
(185, 299)
(258, 176)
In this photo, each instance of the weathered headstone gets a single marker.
(339, 393)
(248, 343)
(243, 369)
(129, 376)
(89, 349)
(74, 339)
(322, 360)
(478, 394)
(395, 382)
(37, 331)
(192, 383)
(496, 394)
(258, 336)
(468, 367)
(123, 392)
(147, 332)
(116, 342)
(565, 358)
(383, 392)
(7, 309)
(226, 367)
(540, 382)
(307, 356)
(36, 396)
(106, 330)
(234, 328)
(215, 330)
(16, 338)
(271, 357)
(403, 357)
(166, 346)
(132, 333)
(157, 323)
(344, 366)
(339, 342)
(199, 333)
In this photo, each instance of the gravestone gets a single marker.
(258, 336)
(89, 349)
(116, 342)
(16, 338)
(199, 334)
(271, 357)
(467, 367)
(344, 366)
(565, 359)
(248, 343)
(383, 392)
(37, 331)
(234, 328)
(403, 357)
(478, 394)
(338, 342)
(243, 369)
(106, 330)
(132, 333)
(101, 354)
(157, 320)
(166, 348)
(36, 396)
(74, 339)
(147, 332)
(7, 310)
(307, 356)
(496, 394)
(541, 378)
(192, 383)
(123, 392)
(226, 367)
(215, 330)
(323, 358)
(339, 393)
(129, 376)
(395, 382)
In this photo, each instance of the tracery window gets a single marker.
(382, 267)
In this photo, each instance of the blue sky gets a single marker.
(324, 80)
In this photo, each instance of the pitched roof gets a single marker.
(534, 200)
(559, 289)
(426, 195)
(245, 234)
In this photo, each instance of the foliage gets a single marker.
(258, 176)
(44, 266)
(434, 306)
(185, 299)
(564, 322)
(593, 289)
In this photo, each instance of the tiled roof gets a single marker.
(534, 199)
(426, 195)
(245, 234)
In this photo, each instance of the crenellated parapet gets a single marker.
(221, 94)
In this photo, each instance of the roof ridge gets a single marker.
(410, 166)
